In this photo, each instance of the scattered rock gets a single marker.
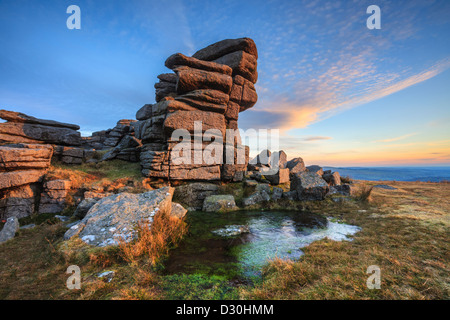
(296, 165)
(261, 194)
(309, 186)
(316, 169)
(219, 203)
(178, 211)
(28, 226)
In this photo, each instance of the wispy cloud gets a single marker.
(315, 138)
(397, 138)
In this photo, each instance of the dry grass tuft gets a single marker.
(154, 242)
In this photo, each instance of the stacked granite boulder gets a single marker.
(212, 86)
(22, 168)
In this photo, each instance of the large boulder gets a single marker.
(281, 176)
(309, 186)
(20, 178)
(114, 219)
(190, 79)
(186, 120)
(242, 63)
(19, 132)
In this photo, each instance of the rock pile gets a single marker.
(212, 86)
(269, 166)
(110, 138)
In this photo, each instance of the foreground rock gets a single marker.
(9, 229)
(114, 218)
(232, 230)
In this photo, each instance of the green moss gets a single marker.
(198, 287)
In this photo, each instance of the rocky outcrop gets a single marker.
(114, 219)
(211, 87)
(22, 168)
(21, 128)
(119, 136)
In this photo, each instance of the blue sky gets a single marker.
(341, 94)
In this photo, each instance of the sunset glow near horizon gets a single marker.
(341, 94)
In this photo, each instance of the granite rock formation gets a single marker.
(213, 86)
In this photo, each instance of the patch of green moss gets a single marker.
(198, 287)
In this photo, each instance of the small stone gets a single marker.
(9, 229)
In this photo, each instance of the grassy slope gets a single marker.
(405, 232)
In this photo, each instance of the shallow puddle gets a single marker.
(238, 244)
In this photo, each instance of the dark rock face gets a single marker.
(212, 86)
(309, 186)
